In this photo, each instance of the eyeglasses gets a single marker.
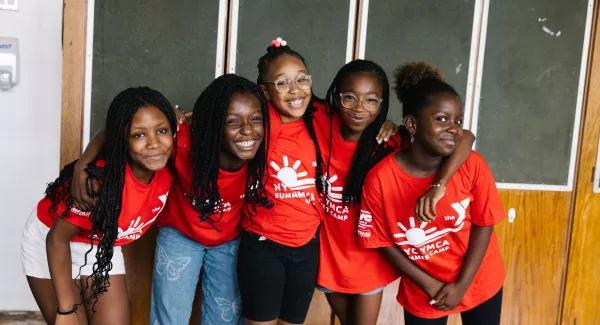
(285, 85)
(351, 102)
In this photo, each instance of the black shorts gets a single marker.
(276, 281)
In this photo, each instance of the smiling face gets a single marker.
(150, 141)
(365, 91)
(243, 132)
(437, 127)
(290, 105)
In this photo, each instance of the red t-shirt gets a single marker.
(296, 213)
(438, 248)
(141, 204)
(179, 212)
(345, 266)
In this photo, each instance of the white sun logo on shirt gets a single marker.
(334, 193)
(290, 176)
(419, 236)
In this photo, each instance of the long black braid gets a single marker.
(105, 215)
(207, 130)
(273, 53)
(368, 153)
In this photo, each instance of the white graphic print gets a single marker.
(291, 182)
(290, 177)
(334, 193)
(333, 204)
(228, 309)
(136, 228)
(419, 237)
(364, 224)
(170, 267)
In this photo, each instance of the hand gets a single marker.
(433, 287)
(386, 131)
(425, 209)
(182, 116)
(450, 296)
(84, 200)
(72, 319)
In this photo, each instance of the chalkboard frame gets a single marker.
(89, 55)
(478, 13)
(233, 33)
(575, 138)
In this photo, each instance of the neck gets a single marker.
(142, 175)
(287, 119)
(229, 163)
(417, 162)
(349, 135)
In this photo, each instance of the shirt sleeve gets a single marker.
(486, 208)
(372, 228)
(79, 218)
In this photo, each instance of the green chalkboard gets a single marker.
(316, 29)
(167, 45)
(437, 32)
(529, 89)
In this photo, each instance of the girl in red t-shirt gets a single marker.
(68, 254)
(353, 277)
(220, 164)
(279, 251)
(452, 263)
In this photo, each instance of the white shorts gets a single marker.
(35, 261)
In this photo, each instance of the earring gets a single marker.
(412, 138)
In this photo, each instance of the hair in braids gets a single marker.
(368, 152)
(416, 82)
(273, 53)
(207, 130)
(105, 215)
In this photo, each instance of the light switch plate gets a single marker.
(9, 4)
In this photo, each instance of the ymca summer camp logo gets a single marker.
(333, 204)
(292, 181)
(136, 228)
(425, 240)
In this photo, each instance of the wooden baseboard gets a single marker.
(20, 315)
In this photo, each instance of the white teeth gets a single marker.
(296, 102)
(245, 143)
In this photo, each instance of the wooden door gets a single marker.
(582, 289)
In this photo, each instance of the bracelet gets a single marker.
(439, 185)
(58, 311)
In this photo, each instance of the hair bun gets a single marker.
(410, 74)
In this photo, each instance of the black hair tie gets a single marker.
(58, 311)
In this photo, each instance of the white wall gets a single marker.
(29, 133)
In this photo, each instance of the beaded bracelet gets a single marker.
(439, 185)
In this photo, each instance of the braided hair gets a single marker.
(208, 123)
(416, 82)
(368, 152)
(273, 53)
(105, 215)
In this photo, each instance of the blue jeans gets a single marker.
(177, 267)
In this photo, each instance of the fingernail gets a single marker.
(432, 302)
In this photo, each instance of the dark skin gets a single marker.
(436, 130)
(364, 87)
(150, 145)
(243, 132)
(79, 192)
